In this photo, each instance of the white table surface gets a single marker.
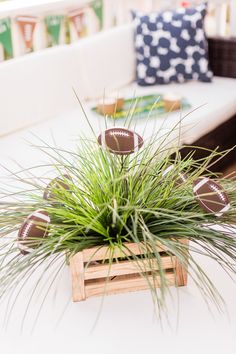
(126, 323)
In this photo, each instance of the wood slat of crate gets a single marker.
(92, 276)
(102, 253)
(127, 284)
(125, 268)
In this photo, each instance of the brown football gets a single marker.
(56, 183)
(120, 141)
(211, 196)
(34, 228)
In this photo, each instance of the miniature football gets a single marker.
(120, 141)
(34, 228)
(182, 177)
(210, 196)
(56, 183)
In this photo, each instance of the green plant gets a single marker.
(113, 200)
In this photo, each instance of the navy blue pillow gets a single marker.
(171, 46)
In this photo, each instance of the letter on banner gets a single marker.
(77, 17)
(27, 26)
(53, 24)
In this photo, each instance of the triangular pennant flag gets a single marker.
(53, 24)
(27, 26)
(5, 36)
(77, 17)
(97, 7)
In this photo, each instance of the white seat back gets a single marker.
(106, 61)
(38, 86)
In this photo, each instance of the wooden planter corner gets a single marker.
(93, 276)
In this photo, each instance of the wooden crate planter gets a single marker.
(93, 276)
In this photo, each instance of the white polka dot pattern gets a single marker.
(171, 46)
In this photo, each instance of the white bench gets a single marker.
(38, 86)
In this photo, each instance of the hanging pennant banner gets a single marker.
(5, 37)
(27, 26)
(54, 24)
(97, 7)
(77, 17)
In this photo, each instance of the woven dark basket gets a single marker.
(222, 56)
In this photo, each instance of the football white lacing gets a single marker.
(26, 229)
(119, 132)
(218, 191)
(28, 32)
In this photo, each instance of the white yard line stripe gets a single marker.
(200, 184)
(39, 215)
(170, 168)
(224, 210)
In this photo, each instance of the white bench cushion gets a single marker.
(220, 104)
(38, 86)
(212, 104)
